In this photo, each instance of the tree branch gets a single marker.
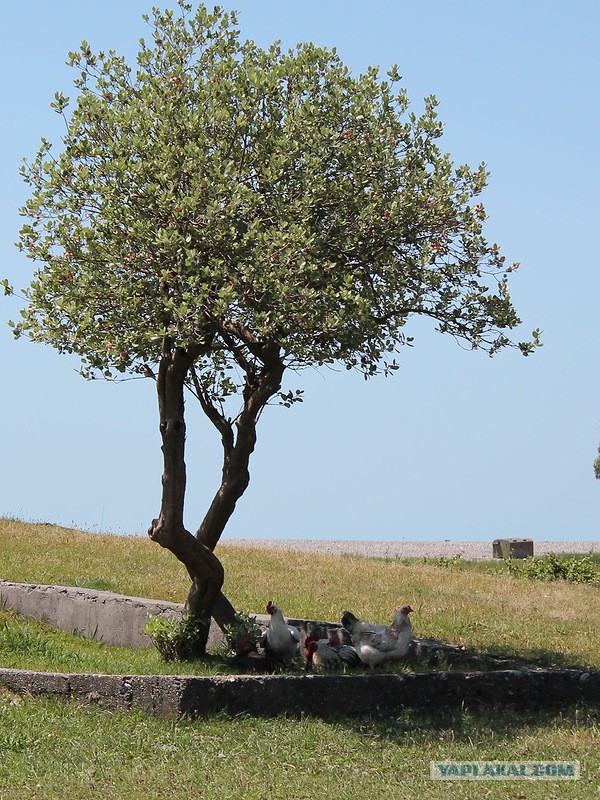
(236, 475)
(218, 420)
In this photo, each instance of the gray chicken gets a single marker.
(330, 653)
(376, 644)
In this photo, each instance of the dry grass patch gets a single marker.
(42, 553)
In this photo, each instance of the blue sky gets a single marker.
(455, 445)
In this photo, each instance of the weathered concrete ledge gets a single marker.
(320, 695)
(108, 617)
(111, 618)
(118, 619)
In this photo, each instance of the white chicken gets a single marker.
(280, 641)
(376, 644)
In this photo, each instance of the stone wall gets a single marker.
(376, 695)
(108, 617)
(117, 619)
(111, 618)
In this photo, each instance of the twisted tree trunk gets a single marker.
(238, 445)
(204, 568)
(238, 442)
(205, 598)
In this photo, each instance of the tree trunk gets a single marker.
(204, 568)
(196, 552)
(234, 482)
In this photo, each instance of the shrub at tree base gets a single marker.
(177, 639)
(244, 634)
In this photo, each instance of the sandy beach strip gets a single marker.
(405, 548)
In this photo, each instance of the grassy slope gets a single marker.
(53, 749)
(555, 623)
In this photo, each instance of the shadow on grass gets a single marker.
(500, 657)
(485, 726)
(430, 655)
(530, 658)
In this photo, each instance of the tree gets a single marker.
(220, 214)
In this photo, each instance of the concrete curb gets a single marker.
(110, 618)
(318, 695)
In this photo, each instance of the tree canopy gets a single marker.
(220, 191)
(219, 213)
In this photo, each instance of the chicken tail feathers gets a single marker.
(349, 656)
(349, 621)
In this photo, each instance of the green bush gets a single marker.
(244, 635)
(577, 569)
(177, 639)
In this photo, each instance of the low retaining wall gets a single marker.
(119, 620)
(108, 617)
(111, 618)
(319, 695)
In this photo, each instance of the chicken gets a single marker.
(329, 653)
(320, 655)
(347, 652)
(248, 659)
(313, 639)
(280, 641)
(376, 644)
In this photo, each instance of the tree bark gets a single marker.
(168, 530)
(196, 552)
(238, 449)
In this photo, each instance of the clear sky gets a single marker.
(455, 445)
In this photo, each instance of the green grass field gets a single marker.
(53, 749)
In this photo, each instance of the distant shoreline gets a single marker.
(404, 548)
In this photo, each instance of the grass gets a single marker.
(53, 749)
(29, 644)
